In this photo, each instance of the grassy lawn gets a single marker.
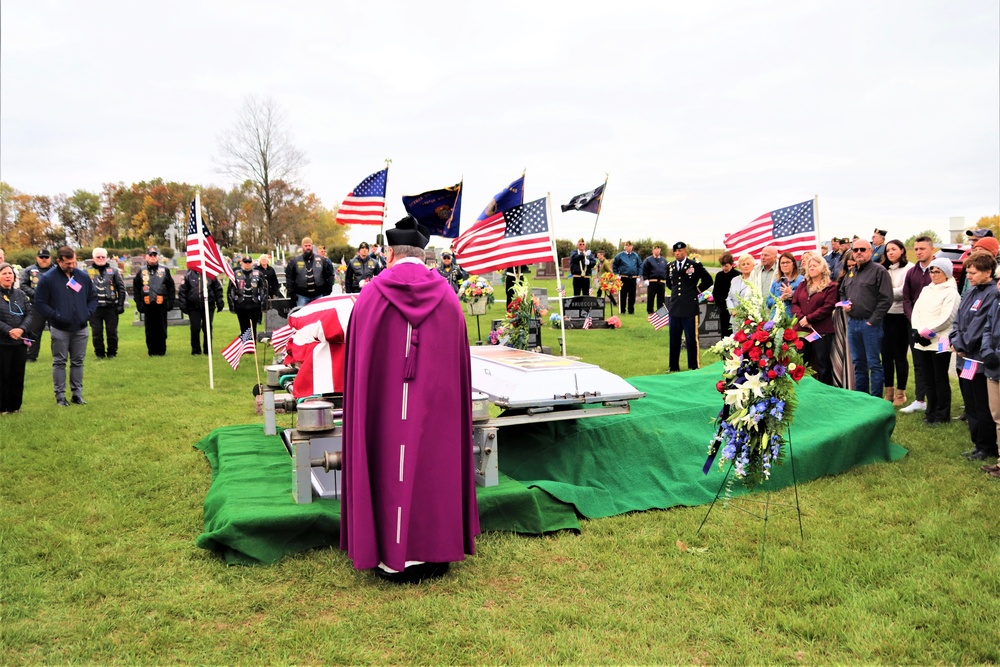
(101, 505)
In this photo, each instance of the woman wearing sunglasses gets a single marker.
(14, 311)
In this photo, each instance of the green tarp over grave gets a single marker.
(552, 472)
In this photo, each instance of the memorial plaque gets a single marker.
(576, 310)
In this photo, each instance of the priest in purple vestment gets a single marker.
(408, 506)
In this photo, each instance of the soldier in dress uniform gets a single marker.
(878, 245)
(308, 276)
(361, 270)
(110, 288)
(189, 296)
(687, 278)
(29, 281)
(247, 291)
(154, 291)
(654, 270)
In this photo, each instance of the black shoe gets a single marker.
(415, 573)
(78, 400)
(962, 417)
(31, 361)
(978, 455)
(193, 352)
(63, 402)
(100, 356)
(112, 356)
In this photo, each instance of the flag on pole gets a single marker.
(588, 201)
(437, 210)
(791, 229)
(509, 197)
(969, 369)
(517, 236)
(242, 345)
(280, 337)
(365, 204)
(659, 319)
(589, 322)
(202, 254)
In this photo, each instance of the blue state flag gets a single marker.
(437, 210)
(506, 199)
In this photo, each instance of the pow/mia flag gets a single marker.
(588, 201)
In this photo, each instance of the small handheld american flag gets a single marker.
(659, 319)
(243, 344)
(589, 322)
(969, 369)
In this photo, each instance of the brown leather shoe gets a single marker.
(993, 468)
(899, 398)
(995, 473)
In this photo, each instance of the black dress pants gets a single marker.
(105, 318)
(982, 428)
(626, 299)
(199, 332)
(12, 360)
(155, 320)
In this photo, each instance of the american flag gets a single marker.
(944, 345)
(365, 204)
(242, 345)
(969, 369)
(202, 254)
(562, 291)
(589, 322)
(791, 229)
(814, 336)
(659, 319)
(519, 235)
(280, 337)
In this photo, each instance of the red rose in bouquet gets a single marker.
(790, 335)
(797, 373)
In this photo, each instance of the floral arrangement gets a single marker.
(613, 321)
(762, 364)
(476, 287)
(522, 309)
(555, 319)
(610, 283)
(706, 296)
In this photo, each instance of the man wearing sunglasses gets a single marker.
(868, 292)
(154, 291)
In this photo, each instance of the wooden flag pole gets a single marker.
(599, 206)
(559, 287)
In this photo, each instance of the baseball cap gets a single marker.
(152, 250)
(44, 252)
(979, 233)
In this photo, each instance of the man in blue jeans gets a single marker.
(868, 292)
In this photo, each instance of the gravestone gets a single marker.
(534, 331)
(709, 326)
(576, 310)
(546, 270)
(543, 297)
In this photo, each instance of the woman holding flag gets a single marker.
(966, 337)
(931, 321)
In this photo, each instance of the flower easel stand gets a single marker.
(477, 308)
(765, 507)
(477, 293)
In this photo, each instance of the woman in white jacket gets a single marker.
(931, 321)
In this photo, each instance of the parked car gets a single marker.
(955, 252)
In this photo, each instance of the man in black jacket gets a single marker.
(65, 297)
(154, 291)
(190, 296)
(110, 288)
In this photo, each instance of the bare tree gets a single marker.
(259, 149)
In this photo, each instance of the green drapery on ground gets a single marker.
(651, 458)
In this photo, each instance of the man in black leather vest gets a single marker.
(154, 291)
(110, 288)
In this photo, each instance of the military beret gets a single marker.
(880, 232)
(680, 245)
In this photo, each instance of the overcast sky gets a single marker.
(705, 114)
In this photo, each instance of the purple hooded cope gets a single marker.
(409, 487)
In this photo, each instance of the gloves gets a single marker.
(120, 308)
(992, 361)
(917, 339)
(219, 307)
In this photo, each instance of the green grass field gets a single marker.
(101, 505)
